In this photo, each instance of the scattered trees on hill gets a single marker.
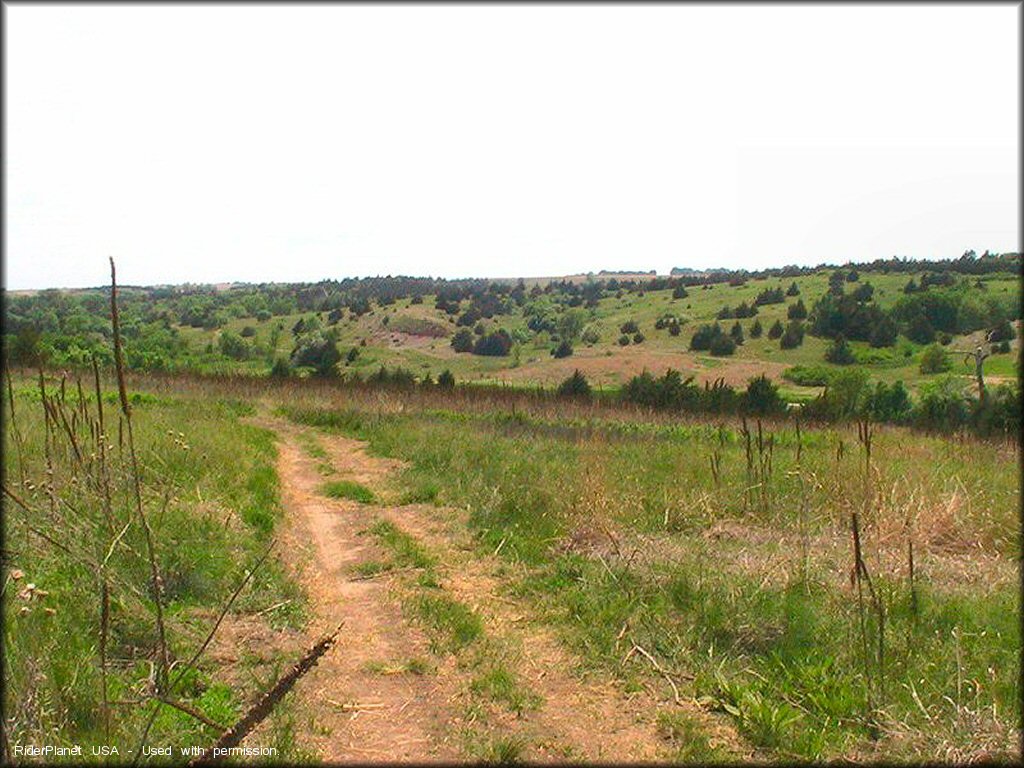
(770, 296)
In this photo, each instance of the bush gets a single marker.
(935, 360)
(770, 296)
(352, 355)
(638, 338)
(797, 311)
(263, 315)
(629, 326)
(317, 350)
(564, 349)
(679, 292)
(839, 352)
(281, 369)
(736, 333)
(793, 290)
(247, 332)
(234, 346)
(942, 404)
(623, 340)
(921, 330)
(701, 339)
(576, 386)
(843, 397)
(463, 340)
(1002, 332)
(756, 330)
(446, 380)
(1002, 348)
(762, 397)
(590, 335)
(674, 329)
(884, 333)
(808, 375)
(888, 403)
(722, 345)
(776, 330)
(793, 336)
(497, 344)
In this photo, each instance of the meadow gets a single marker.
(736, 584)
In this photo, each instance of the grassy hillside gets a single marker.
(407, 335)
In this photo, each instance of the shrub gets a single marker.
(247, 332)
(263, 315)
(497, 344)
(941, 404)
(935, 360)
(808, 375)
(1002, 332)
(679, 292)
(446, 380)
(762, 396)
(797, 311)
(921, 330)
(843, 397)
(463, 340)
(564, 349)
(736, 333)
(629, 326)
(722, 345)
(234, 346)
(674, 329)
(793, 290)
(725, 313)
(793, 336)
(281, 369)
(756, 330)
(623, 340)
(590, 335)
(1002, 348)
(702, 337)
(888, 403)
(884, 333)
(318, 351)
(839, 352)
(352, 355)
(770, 296)
(576, 386)
(776, 330)
(864, 292)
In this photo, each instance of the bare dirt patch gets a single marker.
(354, 713)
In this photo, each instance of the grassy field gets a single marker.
(725, 550)
(752, 597)
(82, 637)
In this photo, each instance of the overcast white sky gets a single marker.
(274, 143)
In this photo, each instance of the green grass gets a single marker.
(778, 653)
(348, 489)
(497, 683)
(451, 625)
(406, 552)
(211, 498)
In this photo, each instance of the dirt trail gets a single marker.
(403, 715)
(416, 717)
